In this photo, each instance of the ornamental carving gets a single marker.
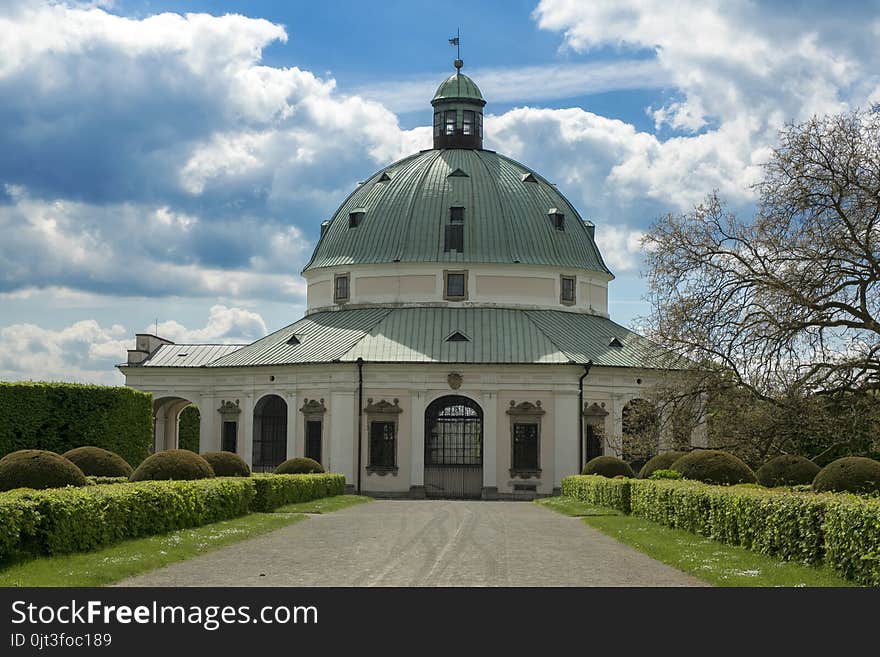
(382, 407)
(454, 380)
(229, 408)
(594, 414)
(313, 407)
(525, 408)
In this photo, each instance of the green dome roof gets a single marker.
(458, 86)
(406, 207)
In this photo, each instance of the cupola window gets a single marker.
(341, 288)
(557, 219)
(356, 217)
(467, 124)
(438, 123)
(567, 287)
(450, 122)
(455, 285)
(479, 124)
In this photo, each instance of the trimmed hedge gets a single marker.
(852, 474)
(841, 530)
(608, 466)
(299, 465)
(712, 466)
(227, 464)
(96, 481)
(188, 430)
(662, 461)
(60, 416)
(38, 468)
(276, 490)
(98, 462)
(78, 519)
(176, 464)
(787, 470)
(599, 490)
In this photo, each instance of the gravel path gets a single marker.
(425, 543)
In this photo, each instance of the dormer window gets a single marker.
(454, 237)
(341, 288)
(557, 219)
(450, 122)
(456, 214)
(355, 217)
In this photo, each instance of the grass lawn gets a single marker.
(324, 505)
(716, 563)
(133, 557)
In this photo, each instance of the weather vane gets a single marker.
(456, 41)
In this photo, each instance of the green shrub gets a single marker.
(299, 465)
(37, 468)
(852, 538)
(177, 464)
(665, 474)
(714, 467)
(227, 464)
(662, 461)
(188, 429)
(98, 462)
(99, 481)
(607, 466)
(79, 519)
(61, 416)
(787, 470)
(274, 490)
(853, 474)
(599, 491)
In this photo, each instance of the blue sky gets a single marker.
(172, 161)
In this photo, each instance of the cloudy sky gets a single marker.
(171, 161)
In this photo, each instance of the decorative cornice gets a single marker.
(313, 407)
(382, 407)
(525, 408)
(594, 411)
(229, 407)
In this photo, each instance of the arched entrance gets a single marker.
(454, 448)
(167, 423)
(270, 433)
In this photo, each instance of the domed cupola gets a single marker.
(458, 112)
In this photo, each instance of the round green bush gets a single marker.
(660, 462)
(178, 464)
(98, 462)
(608, 466)
(852, 474)
(227, 464)
(714, 467)
(299, 465)
(787, 470)
(37, 468)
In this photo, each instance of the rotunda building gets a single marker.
(456, 342)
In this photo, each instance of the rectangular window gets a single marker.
(230, 437)
(479, 124)
(340, 288)
(456, 215)
(467, 125)
(558, 220)
(525, 447)
(313, 439)
(567, 289)
(438, 123)
(456, 285)
(355, 218)
(454, 238)
(450, 122)
(382, 445)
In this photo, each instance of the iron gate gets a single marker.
(270, 434)
(454, 448)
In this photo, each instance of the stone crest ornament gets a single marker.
(313, 407)
(229, 407)
(594, 414)
(454, 380)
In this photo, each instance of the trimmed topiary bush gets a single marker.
(660, 462)
(787, 470)
(608, 466)
(275, 490)
(37, 468)
(714, 467)
(299, 465)
(851, 474)
(227, 464)
(98, 462)
(665, 474)
(176, 464)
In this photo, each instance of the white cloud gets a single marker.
(86, 351)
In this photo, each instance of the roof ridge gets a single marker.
(549, 339)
